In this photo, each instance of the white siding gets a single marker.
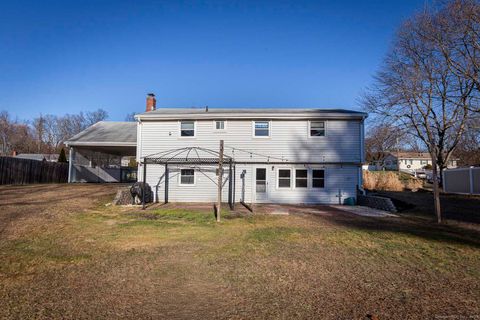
(337, 178)
(288, 139)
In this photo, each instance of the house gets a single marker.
(404, 161)
(270, 155)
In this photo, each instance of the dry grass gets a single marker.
(389, 181)
(384, 180)
(62, 261)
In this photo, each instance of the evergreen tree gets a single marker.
(62, 157)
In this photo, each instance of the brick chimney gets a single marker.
(151, 102)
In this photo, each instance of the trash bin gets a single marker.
(349, 201)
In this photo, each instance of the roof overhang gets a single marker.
(247, 116)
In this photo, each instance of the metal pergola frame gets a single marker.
(190, 156)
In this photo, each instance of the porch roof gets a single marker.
(106, 134)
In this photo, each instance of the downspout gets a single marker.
(139, 146)
(362, 156)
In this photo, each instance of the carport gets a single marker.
(101, 153)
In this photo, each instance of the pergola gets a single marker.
(193, 156)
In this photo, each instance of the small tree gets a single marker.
(62, 157)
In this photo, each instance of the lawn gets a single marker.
(66, 255)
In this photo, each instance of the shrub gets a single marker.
(369, 180)
(387, 181)
(414, 184)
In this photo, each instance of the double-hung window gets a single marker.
(261, 128)
(284, 178)
(187, 177)
(317, 128)
(318, 178)
(219, 125)
(301, 176)
(187, 128)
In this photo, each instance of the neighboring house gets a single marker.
(405, 161)
(38, 156)
(270, 155)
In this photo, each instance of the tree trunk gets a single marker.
(436, 191)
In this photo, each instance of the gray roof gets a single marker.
(38, 156)
(106, 134)
(248, 113)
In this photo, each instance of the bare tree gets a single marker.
(5, 130)
(417, 90)
(381, 139)
(39, 129)
(93, 117)
(130, 117)
(468, 150)
(457, 37)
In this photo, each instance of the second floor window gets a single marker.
(219, 125)
(187, 128)
(317, 128)
(261, 129)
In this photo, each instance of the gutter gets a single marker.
(100, 144)
(273, 116)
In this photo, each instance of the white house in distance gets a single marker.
(270, 155)
(405, 161)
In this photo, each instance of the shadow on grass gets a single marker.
(410, 226)
(461, 208)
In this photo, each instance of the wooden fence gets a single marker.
(25, 171)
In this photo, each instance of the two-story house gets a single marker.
(273, 155)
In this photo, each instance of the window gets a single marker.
(301, 178)
(318, 178)
(219, 125)
(284, 178)
(187, 128)
(187, 176)
(262, 129)
(317, 128)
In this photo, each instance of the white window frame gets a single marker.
(325, 124)
(278, 178)
(187, 184)
(180, 129)
(324, 178)
(295, 178)
(215, 125)
(269, 129)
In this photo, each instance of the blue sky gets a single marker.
(70, 56)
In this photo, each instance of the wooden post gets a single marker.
(220, 178)
(166, 182)
(144, 181)
(230, 185)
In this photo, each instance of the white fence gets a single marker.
(462, 180)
